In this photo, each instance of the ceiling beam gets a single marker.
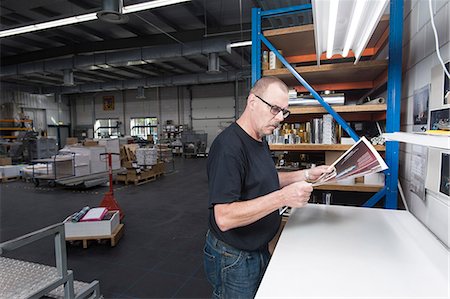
(125, 69)
(8, 22)
(93, 32)
(84, 4)
(143, 71)
(75, 38)
(118, 44)
(167, 68)
(45, 12)
(104, 75)
(202, 66)
(110, 72)
(192, 10)
(153, 68)
(19, 17)
(5, 48)
(177, 66)
(211, 21)
(133, 29)
(29, 42)
(165, 20)
(230, 62)
(27, 81)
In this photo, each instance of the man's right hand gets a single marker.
(296, 195)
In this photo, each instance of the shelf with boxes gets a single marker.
(297, 133)
(290, 55)
(14, 125)
(336, 73)
(172, 135)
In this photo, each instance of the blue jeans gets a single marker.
(233, 273)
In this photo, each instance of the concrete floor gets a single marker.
(160, 254)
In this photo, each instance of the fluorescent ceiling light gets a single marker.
(86, 17)
(341, 26)
(150, 5)
(334, 5)
(240, 44)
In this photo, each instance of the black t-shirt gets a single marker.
(240, 168)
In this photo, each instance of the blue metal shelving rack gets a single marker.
(393, 87)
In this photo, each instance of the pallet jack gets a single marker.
(108, 200)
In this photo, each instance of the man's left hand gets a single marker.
(314, 173)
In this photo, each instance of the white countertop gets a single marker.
(351, 252)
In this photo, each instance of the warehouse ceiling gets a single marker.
(158, 47)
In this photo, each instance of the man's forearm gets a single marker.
(242, 213)
(289, 177)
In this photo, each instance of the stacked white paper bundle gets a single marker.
(146, 156)
(328, 131)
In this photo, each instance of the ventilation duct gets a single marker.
(68, 78)
(112, 12)
(213, 63)
(140, 92)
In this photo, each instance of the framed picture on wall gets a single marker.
(444, 186)
(108, 103)
(439, 119)
(420, 111)
(440, 87)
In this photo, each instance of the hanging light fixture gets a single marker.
(213, 63)
(344, 25)
(112, 12)
(140, 92)
(68, 78)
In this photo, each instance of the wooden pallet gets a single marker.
(114, 237)
(137, 179)
(10, 179)
(143, 176)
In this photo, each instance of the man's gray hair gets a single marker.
(262, 84)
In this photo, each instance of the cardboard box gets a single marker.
(265, 60)
(5, 161)
(71, 140)
(90, 143)
(92, 228)
(81, 170)
(97, 162)
(374, 178)
(274, 62)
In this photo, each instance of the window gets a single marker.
(105, 128)
(144, 126)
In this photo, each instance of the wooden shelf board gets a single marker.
(356, 187)
(14, 129)
(304, 41)
(339, 109)
(336, 73)
(303, 37)
(316, 147)
(16, 121)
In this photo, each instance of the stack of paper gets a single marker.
(95, 214)
(361, 159)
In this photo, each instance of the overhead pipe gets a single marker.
(119, 58)
(178, 80)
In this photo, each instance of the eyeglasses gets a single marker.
(274, 109)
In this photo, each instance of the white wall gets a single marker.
(419, 57)
(50, 109)
(212, 106)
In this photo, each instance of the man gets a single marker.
(246, 193)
